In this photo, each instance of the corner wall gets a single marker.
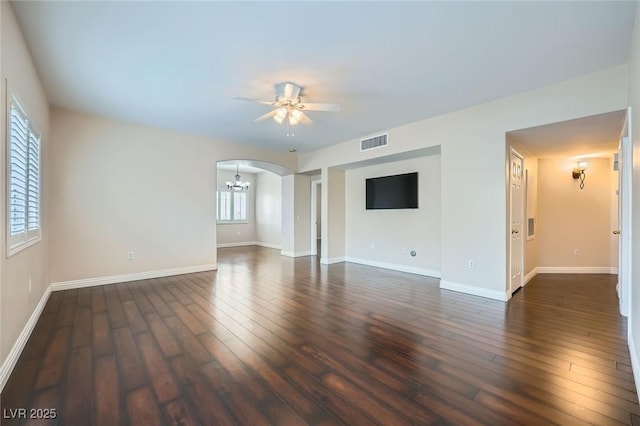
(634, 102)
(296, 215)
(18, 304)
(333, 215)
(269, 209)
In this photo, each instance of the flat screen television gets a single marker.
(393, 192)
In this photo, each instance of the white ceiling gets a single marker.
(594, 136)
(178, 65)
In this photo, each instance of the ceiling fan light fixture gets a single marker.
(280, 115)
(294, 116)
(290, 108)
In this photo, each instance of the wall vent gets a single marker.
(374, 142)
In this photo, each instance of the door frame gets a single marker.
(510, 287)
(625, 204)
(315, 187)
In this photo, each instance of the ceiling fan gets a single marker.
(289, 108)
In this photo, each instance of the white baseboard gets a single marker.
(249, 243)
(476, 291)
(14, 354)
(402, 268)
(269, 245)
(90, 282)
(568, 270)
(530, 276)
(331, 260)
(296, 254)
(577, 270)
(237, 244)
(635, 362)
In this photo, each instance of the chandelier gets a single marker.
(237, 185)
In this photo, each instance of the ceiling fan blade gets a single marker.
(305, 120)
(267, 115)
(272, 103)
(291, 92)
(321, 107)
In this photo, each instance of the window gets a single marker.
(232, 207)
(23, 184)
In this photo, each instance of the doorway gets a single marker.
(567, 220)
(516, 257)
(316, 217)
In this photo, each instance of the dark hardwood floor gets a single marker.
(272, 340)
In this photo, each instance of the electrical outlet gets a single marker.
(29, 284)
(130, 255)
(472, 264)
(576, 252)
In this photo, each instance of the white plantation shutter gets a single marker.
(232, 206)
(33, 193)
(18, 172)
(224, 206)
(23, 224)
(240, 206)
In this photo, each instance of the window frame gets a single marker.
(232, 207)
(27, 237)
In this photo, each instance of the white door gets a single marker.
(516, 258)
(624, 217)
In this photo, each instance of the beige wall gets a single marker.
(531, 209)
(387, 237)
(571, 218)
(333, 215)
(288, 215)
(296, 215)
(17, 303)
(232, 233)
(269, 209)
(120, 187)
(303, 214)
(473, 168)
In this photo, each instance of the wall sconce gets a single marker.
(578, 172)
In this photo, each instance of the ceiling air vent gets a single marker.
(374, 142)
